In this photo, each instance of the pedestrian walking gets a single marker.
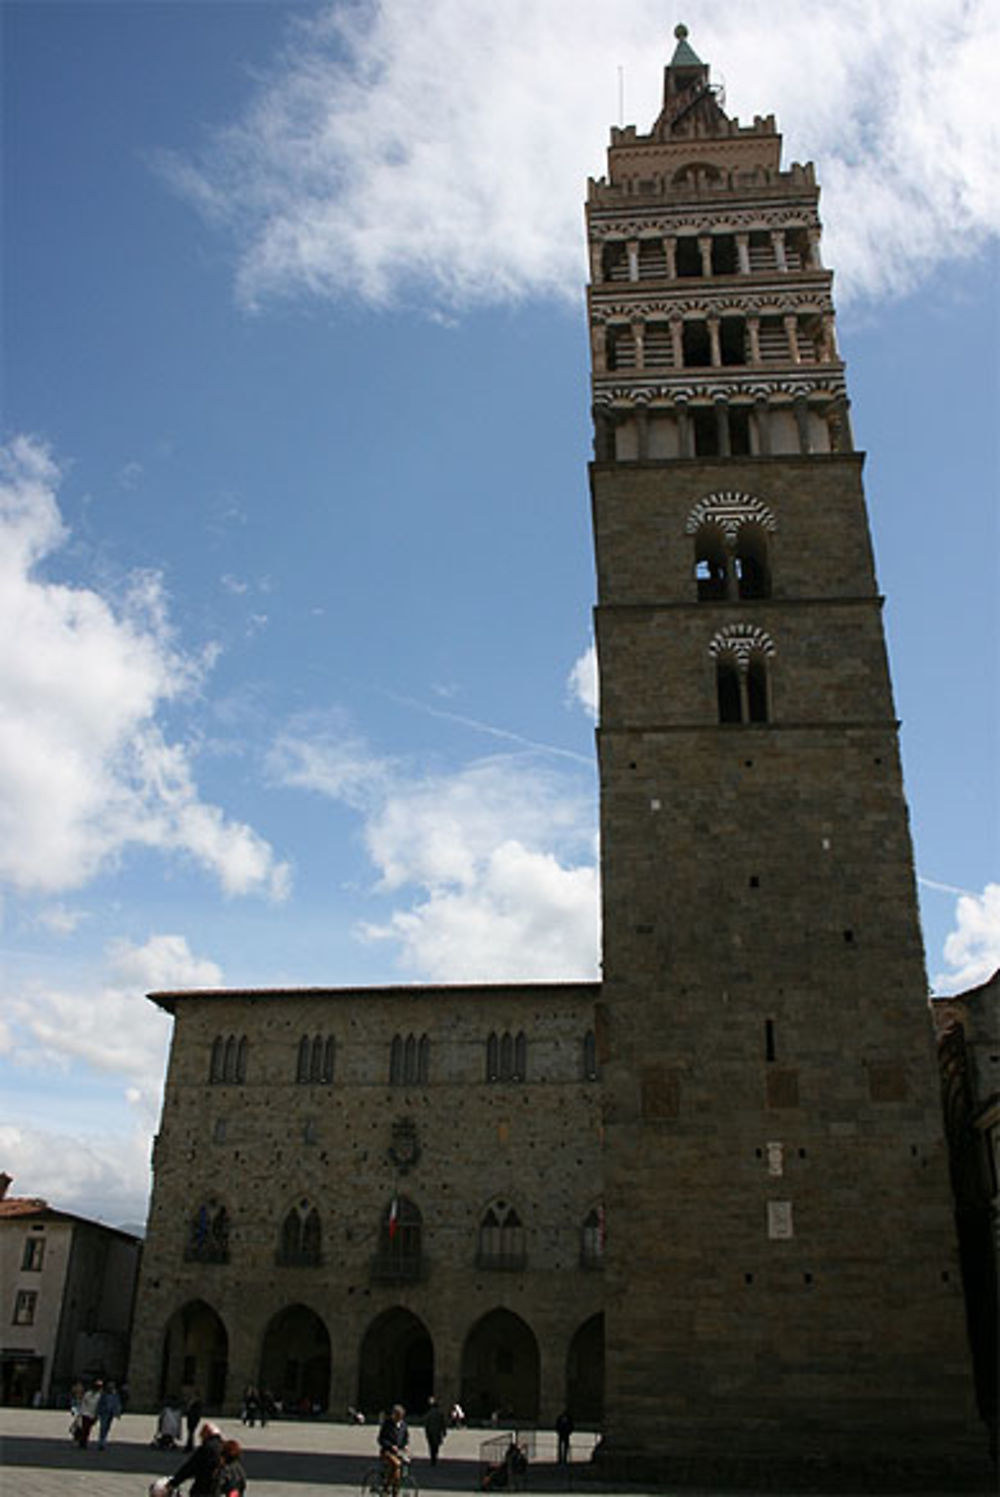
(435, 1428)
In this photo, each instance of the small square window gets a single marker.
(24, 1306)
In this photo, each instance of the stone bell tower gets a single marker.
(782, 1281)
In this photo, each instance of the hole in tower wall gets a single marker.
(769, 1040)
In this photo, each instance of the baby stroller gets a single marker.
(168, 1429)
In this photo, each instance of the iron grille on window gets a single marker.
(399, 1259)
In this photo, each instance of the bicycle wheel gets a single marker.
(408, 1483)
(371, 1482)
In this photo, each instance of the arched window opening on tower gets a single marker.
(620, 345)
(761, 250)
(733, 340)
(501, 1238)
(710, 563)
(657, 345)
(614, 260)
(772, 338)
(652, 260)
(811, 338)
(705, 425)
(727, 686)
(687, 255)
(724, 257)
(742, 687)
(798, 251)
(750, 563)
(756, 683)
(696, 344)
(739, 431)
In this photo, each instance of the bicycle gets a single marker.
(376, 1482)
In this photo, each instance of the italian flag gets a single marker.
(393, 1217)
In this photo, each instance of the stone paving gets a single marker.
(286, 1459)
(289, 1459)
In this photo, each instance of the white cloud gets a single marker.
(100, 1176)
(972, 949)
(85, 770)
(584, 682)
(439, 148)
(105, 1029)
(495, 862)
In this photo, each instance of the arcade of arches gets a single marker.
(500, 1367)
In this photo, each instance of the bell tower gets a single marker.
(782, 1280)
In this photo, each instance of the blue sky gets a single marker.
(296, 561)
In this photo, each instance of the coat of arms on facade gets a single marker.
(404, 1150)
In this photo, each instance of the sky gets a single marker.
(296, 579)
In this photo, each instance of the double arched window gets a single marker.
(208, 1234)
(731, 547)
(501, 1238)
(507, 1056)
(316, 1059)
(409, 1060)
(741, 653)
(229, 1060)
(301, 1242)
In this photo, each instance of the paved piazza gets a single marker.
(287, 1459)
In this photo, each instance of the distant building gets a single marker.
(68, 1286)
(968, 1030)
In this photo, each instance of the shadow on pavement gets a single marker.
(307, 1466)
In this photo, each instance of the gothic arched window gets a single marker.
(229, 1060)
(409, 1060)
(208, 1234)
(501, 1238)
(592, 1238)
(301, 1237)
(507, 1056)
(741, 653)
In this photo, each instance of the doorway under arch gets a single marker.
(500, 1368)
(295, 1359)
(396, 1363)
(195, 1354)
(585, 1374)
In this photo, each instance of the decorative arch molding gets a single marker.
(742, 641)
(720, 221)
(729, 510)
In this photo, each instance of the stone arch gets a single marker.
(585, 1373)
(500, 1368)
(195, 1354)
(741, 653)
(295, 1359)
(731, 544)
(395, 1363)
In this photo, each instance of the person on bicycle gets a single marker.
(393, 1438)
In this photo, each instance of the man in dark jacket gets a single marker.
(202, 1464)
